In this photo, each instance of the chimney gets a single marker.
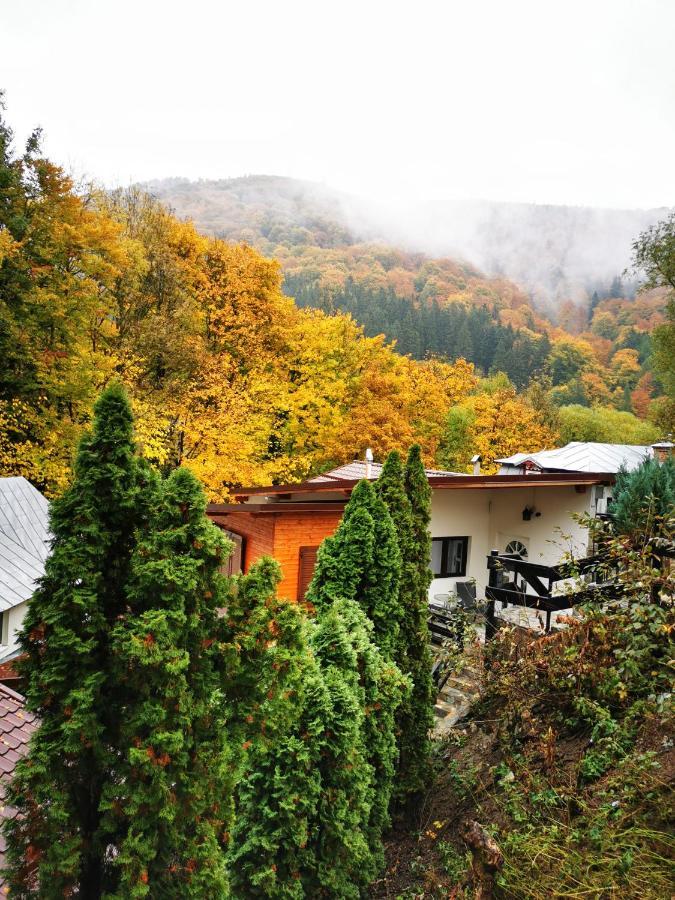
(476, 460)
(369, 462)
(663, 449)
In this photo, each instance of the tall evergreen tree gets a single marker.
(416, 717)
(341, 857)
(644, 499)
(60, 838)
(355, 590)
(170, 803)
(390, 488)
(358, 761)
(277, 799)
(305, 813)
(362, 561)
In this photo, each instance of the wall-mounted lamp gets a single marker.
(528, 512)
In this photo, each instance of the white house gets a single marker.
(24, 546)
(530, 507)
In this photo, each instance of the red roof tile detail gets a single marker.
(16, 727)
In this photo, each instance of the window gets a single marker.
(235, 563)
(449, 556)
(516, 546)
(306, 564)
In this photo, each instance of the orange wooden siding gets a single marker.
(257, 531)
(293, 531)
(281, 535)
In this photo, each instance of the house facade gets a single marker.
(528, 513)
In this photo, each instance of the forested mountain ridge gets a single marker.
(555, 253)
(334, 259)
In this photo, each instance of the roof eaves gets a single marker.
(451, 481)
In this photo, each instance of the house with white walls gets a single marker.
(24, 547)
(531, 507)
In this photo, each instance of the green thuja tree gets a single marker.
(169, 806)
(377, 593)
(382, 689)
(644, 499)
(362, 561)
(270, 854)
(341, 861)
(416, 716)
(342, 559)
(304, 805)
(390, 488)
(58, 843)
(356, 584)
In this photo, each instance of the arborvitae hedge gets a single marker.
(416, 717)
(315, 801)
(170, 802)
(277, 798)
(357, 578)
(58, 841)
(313, 804)
(362, 561)
(151, 678)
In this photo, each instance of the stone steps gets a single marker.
(454, 700)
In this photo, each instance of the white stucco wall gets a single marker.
(460, 513)
(491, 518)
(12, 622)
(547, 536)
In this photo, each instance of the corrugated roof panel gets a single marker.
(24, 540)
(24, 515)
(585, 456)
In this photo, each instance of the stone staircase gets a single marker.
(455, 698)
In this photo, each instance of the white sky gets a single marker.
(559, 101)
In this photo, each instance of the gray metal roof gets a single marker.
(583, 456)
(24, 540)
(356, 470)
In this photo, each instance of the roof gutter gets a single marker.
(440, 482)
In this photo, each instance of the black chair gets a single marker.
(466, 591)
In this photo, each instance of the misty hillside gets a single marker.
(553, 252)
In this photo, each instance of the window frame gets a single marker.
(524, 556)
(238, 553)
(445, 553)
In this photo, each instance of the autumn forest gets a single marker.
(244, 384)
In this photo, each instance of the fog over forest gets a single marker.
(553, 252)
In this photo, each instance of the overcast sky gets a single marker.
(552, 101)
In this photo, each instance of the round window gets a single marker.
(518, 547)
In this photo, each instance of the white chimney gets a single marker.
(476, 460)
(369, 461)
(663, 449)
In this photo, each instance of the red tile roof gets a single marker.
(8, 670)
(16, 727)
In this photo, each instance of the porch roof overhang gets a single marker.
(344, 488)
